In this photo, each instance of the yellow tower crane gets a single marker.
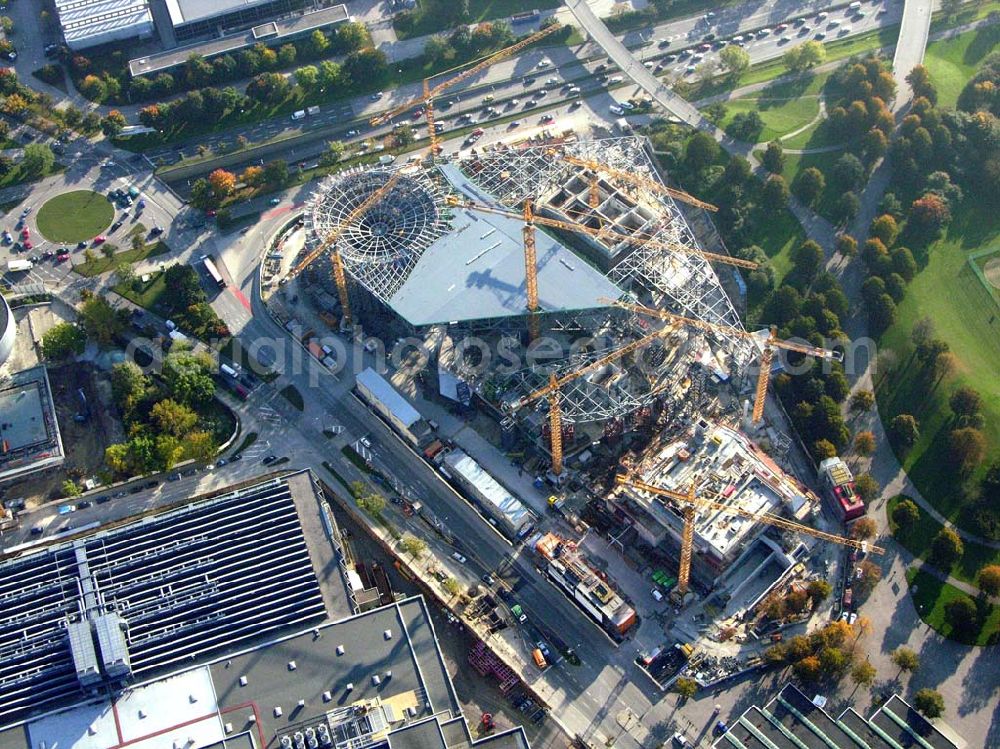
(551, 391)
(691, 502)
(767, 354)
(530, 270)
(635, 179)
(430, 93)
(330, 241)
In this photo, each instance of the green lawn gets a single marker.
(952, 62)
(147, 295)
(124, 257)
(967, 316)
(930, 596)
(75, 216)
(780, 115)
(918, 540)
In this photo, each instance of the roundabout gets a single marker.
(75, 216)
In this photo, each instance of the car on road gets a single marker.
(274, 201)
(819, 36)
(616, 109)
(679, 740)
(102, 499)
(615, 79)
(37, 530)
(627, 105)
(459, 558)
(62, 257)
(100, 239)
(352, 133)
(27, 244)
(515, 124)
(545, 63)
(26, 211)
(269, 459)
(377, 95)
(488, 579)
(547, 119)
(151, 484)
(34, 259)
(663, 43)
(518, 613)
(115, 226)
(84, 504)
(25, 233)
(236, 458)
(156, 231)
(50, 254)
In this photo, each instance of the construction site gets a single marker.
(554, 293)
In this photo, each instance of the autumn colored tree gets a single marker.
(929, 214)
(864, 528)
(252, 175)
(864, 443)
(966, 448)
(223, 183)
(988, 579)
(946, 549)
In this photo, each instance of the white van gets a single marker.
(313, 111)
(299, 114)
(854, 6)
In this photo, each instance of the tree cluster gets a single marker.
(164, 416)
(187, 304)
(822, 656)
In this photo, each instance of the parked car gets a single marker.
(459, 558)
(269, 459)
(100, 239)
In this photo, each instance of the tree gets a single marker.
(862, 400)
(885, 229)
(102, 322)
(333, 153)
(38, 159)
(173, 418)
(808, 669)
(113, 122)
(809, 185)
(252, 175)
(128, 385)
(905, 430)
(929, 702)
(223, 183)
(685, 687)
(735, 60)
(286, 55)
(63, 341)
(848, 172)
(774, 195)
(920, 82)
(108, 250)
(276, 173)
(905, 514)
(307, 77)
(804, 56)
(188, 378)
(846, 245)
(404, 135)
(818, 590)
(868, 488)
(823, 449)
(988, 579)
(863, 674)
(318, 43)
(746, 126)
(871, 573)
(774, 157)
(808, 259)
(412, 545)
(928, 215)
(946, 549)
(847, 206)
(365, 67)
(701, 151)
(864, 528)
(966, 448)
(905, 659)
(963, 616)
(966, 404)
(199, 445)
(372, 503)
(451, 586)
(268, 88)
(353, 36)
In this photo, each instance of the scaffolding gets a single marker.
(381, 248)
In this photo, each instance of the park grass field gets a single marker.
(952, 62)
(930, 596)
(918, 541)
(75, 216)
(780, 115)
(965, 313)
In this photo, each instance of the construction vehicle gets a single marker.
(635, 179)
(767, 353)
(551, 391)
(691, 503)
(330, 240)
